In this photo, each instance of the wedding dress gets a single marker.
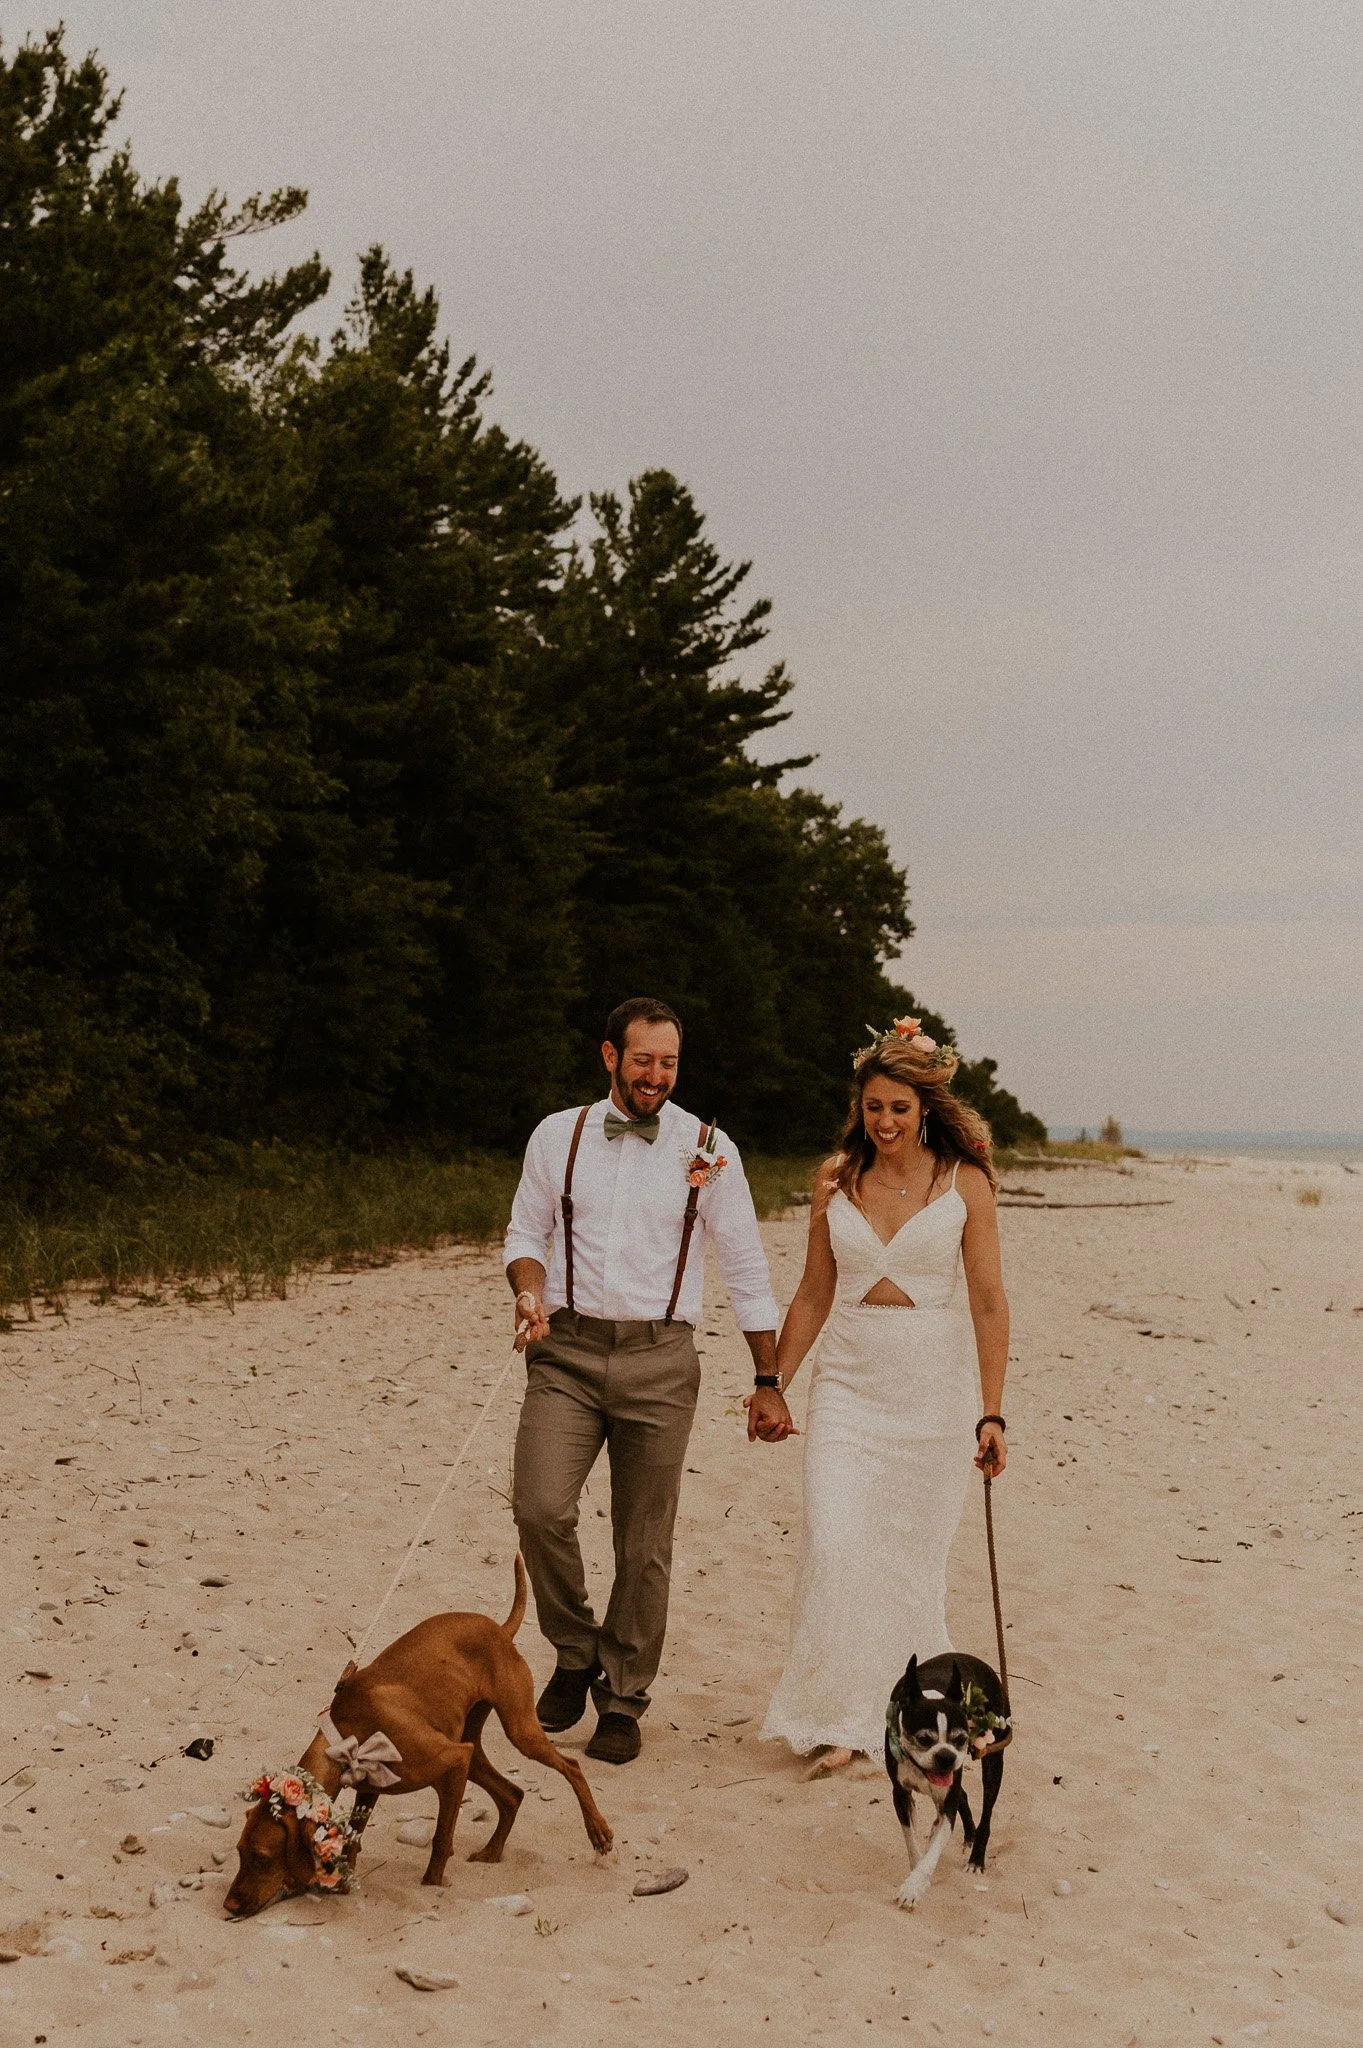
(889, 1442)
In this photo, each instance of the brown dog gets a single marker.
(430, 1693)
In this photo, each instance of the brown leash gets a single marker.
(994, 1588)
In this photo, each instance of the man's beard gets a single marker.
(632, 1103)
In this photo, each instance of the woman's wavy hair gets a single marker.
(952, 1129)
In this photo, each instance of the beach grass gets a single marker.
(1066, 1152)
(251, 1223)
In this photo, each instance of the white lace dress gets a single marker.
(889, 1441)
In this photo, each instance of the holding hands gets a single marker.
(768, 1416)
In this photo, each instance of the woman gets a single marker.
(895, 1217)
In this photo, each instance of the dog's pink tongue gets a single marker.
(940, 1777)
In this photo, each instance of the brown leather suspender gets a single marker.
(566, 1201)
(566, 1211)
(688, 1225)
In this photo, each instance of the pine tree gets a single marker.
(440, 559)
(153, 724)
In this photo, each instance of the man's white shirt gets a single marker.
(629, 1200)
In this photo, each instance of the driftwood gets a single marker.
(1033, 1162)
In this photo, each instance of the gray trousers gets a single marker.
(633, 1388)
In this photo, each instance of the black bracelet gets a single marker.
(990, 1418)
(769, 1379)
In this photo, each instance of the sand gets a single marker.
(1179, 1550)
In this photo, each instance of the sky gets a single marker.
(1019, 348)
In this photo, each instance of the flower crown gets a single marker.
(903, 1031)
(332, 1832)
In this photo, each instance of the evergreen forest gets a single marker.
(349, 771)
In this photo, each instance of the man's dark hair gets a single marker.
(639, 1009)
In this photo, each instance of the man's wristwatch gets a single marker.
(771, 1379)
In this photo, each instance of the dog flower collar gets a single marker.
(332, 1833)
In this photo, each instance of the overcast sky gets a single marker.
(1019, 345)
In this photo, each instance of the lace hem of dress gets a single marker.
(842, 1736)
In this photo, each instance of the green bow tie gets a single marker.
(645, 1127)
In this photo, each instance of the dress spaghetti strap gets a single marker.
(954, 1171)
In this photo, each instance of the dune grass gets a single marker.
(1066, 1152)
(250, 1225)
(252, 1222)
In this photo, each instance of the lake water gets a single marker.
(1280, 1147)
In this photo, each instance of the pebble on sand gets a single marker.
(654, 1881)
(417, 1832)
(514, 1903)
(427, 1980)
(212, 1816)
(1341, 1910)
(1061, 1887)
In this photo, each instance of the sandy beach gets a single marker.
(1178, 1537)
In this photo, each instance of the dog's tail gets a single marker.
(517, 1614)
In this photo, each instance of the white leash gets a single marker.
(430, 1513)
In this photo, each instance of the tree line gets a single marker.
(349, 771)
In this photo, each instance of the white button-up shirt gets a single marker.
(629, 1200)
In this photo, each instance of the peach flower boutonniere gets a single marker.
(706, 1163)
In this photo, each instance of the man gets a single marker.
(606, 1256)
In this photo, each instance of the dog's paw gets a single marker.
(914, 1888)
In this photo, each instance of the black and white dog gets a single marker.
(943, 1715)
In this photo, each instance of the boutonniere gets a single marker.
(705, 1164)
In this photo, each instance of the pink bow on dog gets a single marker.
(361, 1762)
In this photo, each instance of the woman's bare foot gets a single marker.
(831, 1760)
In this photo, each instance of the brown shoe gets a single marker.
(617, 1739)
(564, 1700)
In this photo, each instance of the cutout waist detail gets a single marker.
(895, 1297)
(927, 1300)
